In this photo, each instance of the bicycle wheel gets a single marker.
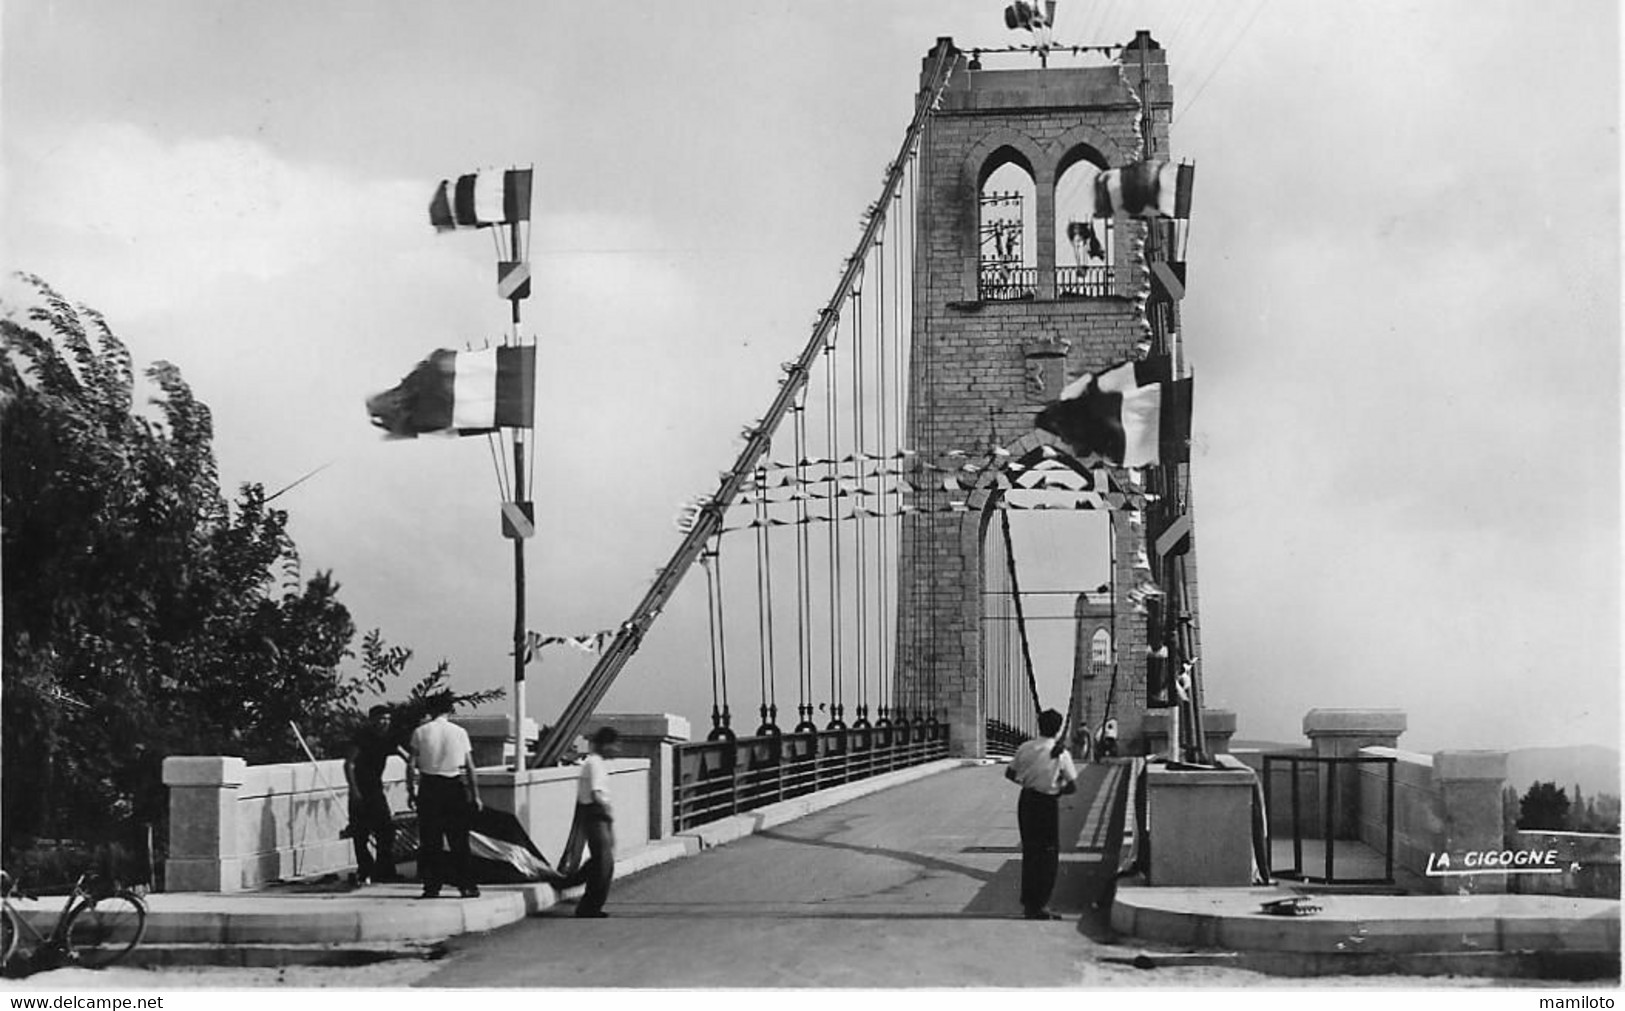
(8, 935)
(101, 931)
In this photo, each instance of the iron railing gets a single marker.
(1085, 282)
(999, 283)
(1334, 820)
(720, 778)
(1003, 739)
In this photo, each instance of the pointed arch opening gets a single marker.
(1007, 208)
(1044, 546)
(1085, 245)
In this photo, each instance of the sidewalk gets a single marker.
(285, 925)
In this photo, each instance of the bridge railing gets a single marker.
(720, 778)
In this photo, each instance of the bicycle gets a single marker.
(99, 924)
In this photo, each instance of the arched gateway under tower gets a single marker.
(996, 335)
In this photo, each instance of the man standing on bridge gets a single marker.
(595, 817)
(1044, 771)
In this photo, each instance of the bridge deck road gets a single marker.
(914, 886)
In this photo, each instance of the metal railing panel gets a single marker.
(716, 779)
(1326, 779)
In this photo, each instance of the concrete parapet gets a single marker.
(651, 736)
(1200, 827)
(543, 801)
(1469, 785)
(1470, 765)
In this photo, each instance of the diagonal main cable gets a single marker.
(630, 634)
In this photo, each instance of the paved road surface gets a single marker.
(911, 887)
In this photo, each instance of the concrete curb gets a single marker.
(1230, 919)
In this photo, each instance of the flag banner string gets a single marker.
(776, 494)
(1106, 502)
(1050, 456)
(592, 643)
(782, 475)
(954, 478)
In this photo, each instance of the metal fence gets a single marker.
(1328, 814)
(720, 778)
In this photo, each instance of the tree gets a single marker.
(144, 614)
(1544, 806)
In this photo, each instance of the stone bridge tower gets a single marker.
(1007, 306)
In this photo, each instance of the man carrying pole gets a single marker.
(1044, 771)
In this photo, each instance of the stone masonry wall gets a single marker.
(969, 380)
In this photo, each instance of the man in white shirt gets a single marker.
(442, 782)
(1044, 771)
(595, 816)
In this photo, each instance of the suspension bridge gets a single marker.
(904, 561)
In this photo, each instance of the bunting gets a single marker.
(592, 643)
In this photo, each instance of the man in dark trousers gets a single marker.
(442, 779)
(595, 817)
(372, 827)
(1044, 771)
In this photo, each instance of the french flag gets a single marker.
(1133, 414)
(481, 199)
(1145, 189)
(461, 392)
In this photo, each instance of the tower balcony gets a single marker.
(1094, 281)
(998, 283)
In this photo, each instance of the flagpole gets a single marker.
(518, 550)
(1171, 569)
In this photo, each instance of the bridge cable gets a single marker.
(631, 632)
(832, 444)
(1021, 617)
(803, 576)
(711, 560)
(769, 706)
(859, 538)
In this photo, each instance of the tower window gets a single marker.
(1100, 648)
(1085, 246)
(1007, 261)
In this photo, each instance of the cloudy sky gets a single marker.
(1403, 304)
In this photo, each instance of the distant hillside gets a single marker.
(1594, 767)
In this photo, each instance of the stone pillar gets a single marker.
(650, 736)
(1200, 825)
(203, 830)
(1469, 785)
(1341, 733)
